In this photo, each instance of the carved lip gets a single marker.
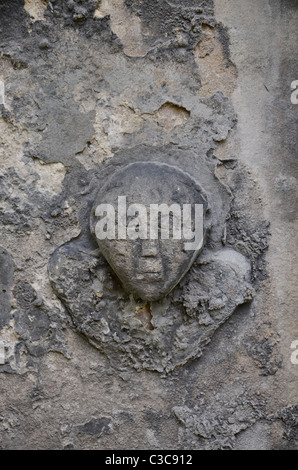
(150, 275)
(150, 269)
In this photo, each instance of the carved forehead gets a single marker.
(148, 182)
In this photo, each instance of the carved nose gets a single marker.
(149, 250)
(150, 264)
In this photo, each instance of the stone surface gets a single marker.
(87, 88)
(157, 336)
(149, 268)
(191, 313)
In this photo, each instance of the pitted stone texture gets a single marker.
(164, 334)
(181, 325)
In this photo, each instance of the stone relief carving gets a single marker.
(150, 268)
(149, 304)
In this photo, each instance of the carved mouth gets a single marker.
(150, 276)
(150, 270)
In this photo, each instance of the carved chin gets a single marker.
(149, 292)
(150, 289)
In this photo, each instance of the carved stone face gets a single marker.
(148, 268)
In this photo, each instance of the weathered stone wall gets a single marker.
(202, 85)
